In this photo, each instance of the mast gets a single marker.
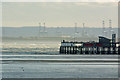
(110, 27)
(75, 31)
(44, 27)
(103, 26)
(39, 29)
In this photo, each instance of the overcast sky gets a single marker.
(59, 14)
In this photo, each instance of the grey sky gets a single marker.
(57, 14)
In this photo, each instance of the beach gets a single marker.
(60, 66)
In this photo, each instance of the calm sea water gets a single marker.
(24, 60)
(14, 46)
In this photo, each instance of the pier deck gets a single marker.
(103, 46)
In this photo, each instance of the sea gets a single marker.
(40, 58)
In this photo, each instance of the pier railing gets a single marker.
(81, 48)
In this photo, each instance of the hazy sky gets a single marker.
(59, 14)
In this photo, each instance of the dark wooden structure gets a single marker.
(104, 46)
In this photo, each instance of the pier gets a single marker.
(105, 46)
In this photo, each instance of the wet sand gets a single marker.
(51, 68)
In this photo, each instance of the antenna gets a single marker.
(110, 27)
(39, 29)
(110, 22)
(103, 25)
(75, 31)
(83, 29)
(44, 26)
(75, 27)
